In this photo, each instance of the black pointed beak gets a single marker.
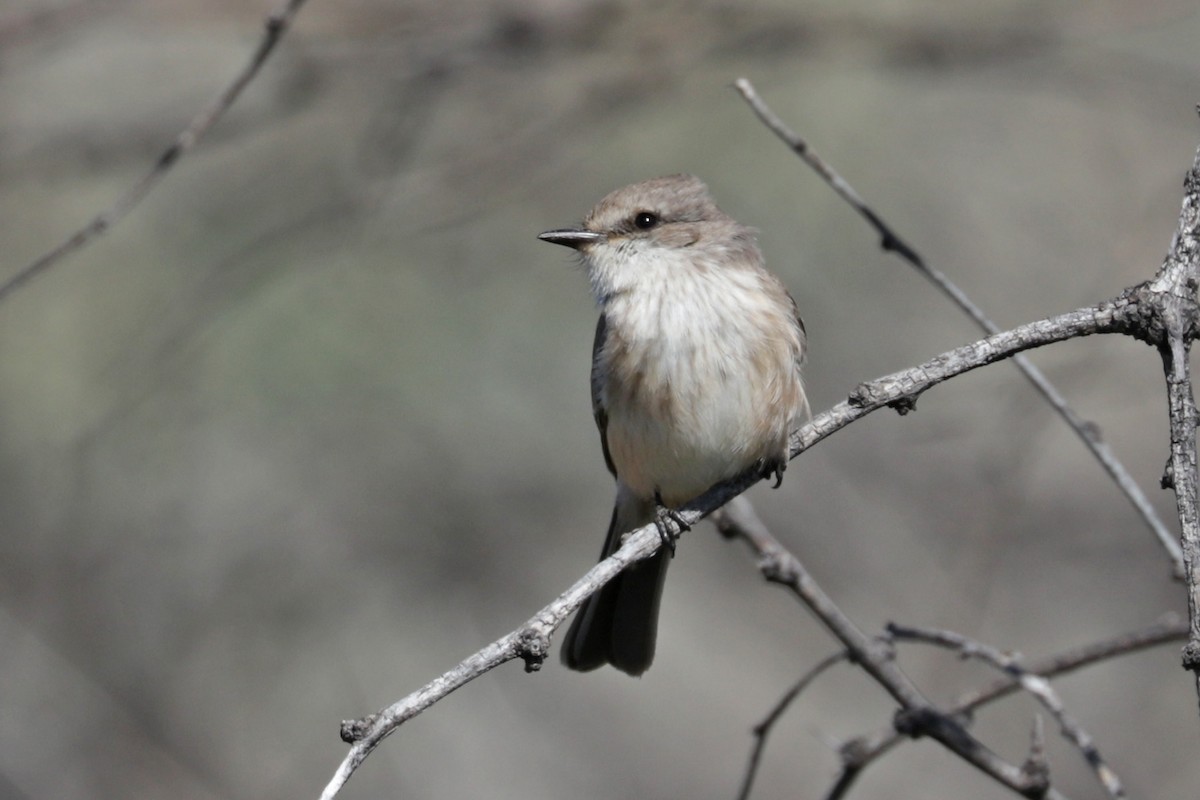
(575, 238)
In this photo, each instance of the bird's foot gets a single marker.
(773, 468)
(666, 520)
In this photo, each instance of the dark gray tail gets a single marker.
(618, 624)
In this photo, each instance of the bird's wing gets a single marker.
(803, 332)
(598, 410)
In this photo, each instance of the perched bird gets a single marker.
(695, 380)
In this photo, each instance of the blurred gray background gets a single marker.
(312, 424)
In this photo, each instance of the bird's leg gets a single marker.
(663, 519)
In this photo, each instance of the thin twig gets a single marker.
(1033, 683)
(1170, 629)
(890, 241)
(763, 729)
(275, 26)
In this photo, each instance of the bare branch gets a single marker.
(917, 716)
(1169, 629)
(530, 642)
(1088, 432)
(1036, 685)
(859, 753)
(900, 390)
(1173, 330)
(277, 23)
(737, 520)
(890, 241)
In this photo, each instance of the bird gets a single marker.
(695, 379)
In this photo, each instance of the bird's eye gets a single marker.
(645, 220)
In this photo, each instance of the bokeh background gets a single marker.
(312, 424)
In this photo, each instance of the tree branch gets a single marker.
(900, 390)
(1172, 331)
(890, 241)
(530, 642)
(859, 753)
(1031, 682)
(737, 520)
(276, 24)
(917, 716)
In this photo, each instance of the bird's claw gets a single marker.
(666, 520)
(773, 468)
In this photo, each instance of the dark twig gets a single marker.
(891, 241)
(1031, 682)
(276, 25)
